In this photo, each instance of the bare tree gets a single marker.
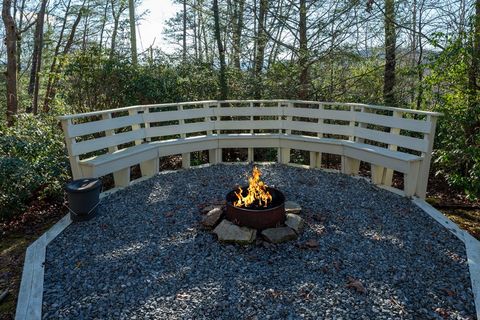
(260, 43)
(33, 87)
(390, 50)
(221, 53)
(133, 32)
(11, 74)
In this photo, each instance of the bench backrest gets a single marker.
(106, 131)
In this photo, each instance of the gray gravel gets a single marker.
(146, 257)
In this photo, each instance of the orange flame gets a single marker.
(257, 191)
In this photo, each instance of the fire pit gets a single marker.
(256, 205)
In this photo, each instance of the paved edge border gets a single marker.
(30, 296)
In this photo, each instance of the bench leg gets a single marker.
(318, 162)
(313, 159)
(186, 160)
(122, 177)
(387, 179)
(410, 179)
(350, 165)
(377, 174)
(215, 156)
(149, 168)
(250, 155)
(284, 155)
(212, 156)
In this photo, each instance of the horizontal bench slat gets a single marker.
(248, 111)
(394, 139)
(178, 129)
(161, 116)
(320, 114)
(394, 122)
(87, 146)
(323, 128)
(248, 125)
(83, 129)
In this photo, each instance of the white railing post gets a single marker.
(212, 153)
(121, 178)
(185, 156)
(284, 153)
(250, 151)
(69, 142)
(351, 166)
(318, 155)
(388, 175)
(424, 171)
(151, 167)
(218, 152)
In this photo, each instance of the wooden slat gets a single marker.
(388, 138)
(105, 142)
(29, 305)
(179, 129)
(320, 113)
(247, 125)
(82, 129)
(394, 122)
(323, 128)
(247, 111)
(161, 116)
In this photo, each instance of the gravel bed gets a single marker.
(145, 256)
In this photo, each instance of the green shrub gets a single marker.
(32, 163)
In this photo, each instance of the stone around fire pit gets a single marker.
(292, 207)
(295, 222)
(212, 218)
(279, 235)
(229, 232)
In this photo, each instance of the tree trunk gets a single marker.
(104, 22)
(116, 22)
(261, 41)
(473, 125)
(303, 52)
(52, 73)
(11, 73)
(51, 87)
(237, 33)
(184, 36)
(133, 32)
(19, 40)
(36, 59)
(221, 53)
(390, 59)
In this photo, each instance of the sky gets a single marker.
(151, 27)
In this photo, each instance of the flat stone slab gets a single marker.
(292, 207)
(295, 222)
(229, 232)
(279, 235)
(212, 218)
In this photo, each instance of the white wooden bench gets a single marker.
(111, 141)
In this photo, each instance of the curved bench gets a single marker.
(111, 141)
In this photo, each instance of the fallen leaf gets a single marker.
(356, 284)
(442, 313)
(449, 292)
(312, 243)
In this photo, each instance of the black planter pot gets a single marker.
(83, 198)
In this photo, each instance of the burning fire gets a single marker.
(257, 191)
